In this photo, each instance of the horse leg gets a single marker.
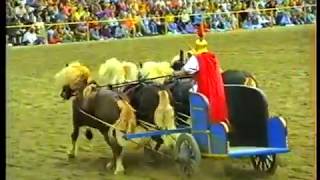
(117, 152)
(74, 136)
(159, 142)
(89, 137)
(149, 154)
(119, 160)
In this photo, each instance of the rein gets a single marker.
(118, 85)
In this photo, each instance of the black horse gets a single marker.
(144, 98)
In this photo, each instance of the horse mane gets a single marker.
(152, 69)
(113, 71)
(90, 90)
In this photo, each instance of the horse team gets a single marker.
(137, 106)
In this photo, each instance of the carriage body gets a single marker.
(251, 133)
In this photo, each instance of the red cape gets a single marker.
(210, 84)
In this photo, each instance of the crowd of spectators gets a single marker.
(136, 18)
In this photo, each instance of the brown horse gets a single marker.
(99, 108)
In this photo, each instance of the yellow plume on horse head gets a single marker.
(73, 75)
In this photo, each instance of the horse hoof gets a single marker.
(119, 172)
(149, 161)
(71, 156)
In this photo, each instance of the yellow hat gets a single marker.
(201, 46)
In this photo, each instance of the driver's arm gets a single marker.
(191, 67)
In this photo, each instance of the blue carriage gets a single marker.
(251, 133)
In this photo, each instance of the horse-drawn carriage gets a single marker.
(252, 132)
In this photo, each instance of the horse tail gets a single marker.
(127, 120)
(89, 134)
(164, 117)
(164, 113)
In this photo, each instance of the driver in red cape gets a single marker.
(205, 67)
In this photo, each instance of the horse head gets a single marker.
(73, 79)
(178, 61)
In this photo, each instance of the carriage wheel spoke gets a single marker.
(265, 166)
(270, 159)
(268, 164)
(259, 164)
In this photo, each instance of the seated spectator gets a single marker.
(106, 32)
(153, 26)
(310, 17)
(160, 25)
(95, 7)
(185, 17)
(95, 33)
(53, 35)
(129, 25)
(137, 23)
(20, 11)
(197, 18)
(45, 17)
(234, 22)
(264, 20)
(171, 25)
(247, 24)
(81, 30)
(15, 34)
(256, 21)
(122, 6)
(112, 23)
(173, 28)
(145, 25)
(285, 19)
(31, 38)
(80, 12)
(119, 32)
(68, 8)
(221, 23)
(67, 34)
(297, 19)
(181, 26)
(190, 28)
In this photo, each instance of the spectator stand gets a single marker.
(62, 21)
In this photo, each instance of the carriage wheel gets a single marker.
(265, 163)
(187, 154)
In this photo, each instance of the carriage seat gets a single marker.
(248, 115)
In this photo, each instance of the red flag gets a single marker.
(201, 30)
